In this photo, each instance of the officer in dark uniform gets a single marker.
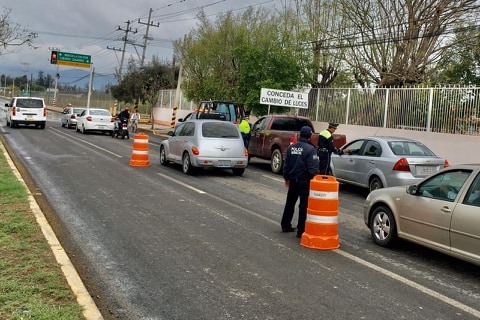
(301, 165)
(326, 147)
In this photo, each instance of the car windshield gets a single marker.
(29, 103)
(219, 129)
(410, 148)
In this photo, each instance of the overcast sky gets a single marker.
(90, 27)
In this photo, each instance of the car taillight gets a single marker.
(89, 118)
(44, 112)
(446, 164)
(195, 151)
(245, 153)
(401, 165)
(293, 140)
(112, 119)
(72, 116)
(14, 111)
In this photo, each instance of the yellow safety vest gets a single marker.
(244, 126)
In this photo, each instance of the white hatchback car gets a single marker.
(205, 144)
(69, 117)
(93, 119)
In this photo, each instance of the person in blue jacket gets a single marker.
(300, 166)
(326, 148)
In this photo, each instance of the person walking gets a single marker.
(244, 128)
(326, 147)
(301, 165)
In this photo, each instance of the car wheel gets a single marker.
(276, 161)
(42, 126)
(63, 124)
(375, 183)
(163, 156)
(76, 128)
(12, 124)
(238, 171)
(83, 129)
(383, 227)
(186, 164)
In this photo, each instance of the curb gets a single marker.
(84, 299)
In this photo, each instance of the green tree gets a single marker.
(235, 56)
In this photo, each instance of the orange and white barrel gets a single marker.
(321, 226)
(140, 151)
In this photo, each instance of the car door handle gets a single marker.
(446, 210)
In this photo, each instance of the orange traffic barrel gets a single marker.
(140, 151)
(321, 226)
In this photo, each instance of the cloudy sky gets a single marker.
(90, 27)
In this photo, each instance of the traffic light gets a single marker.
(53, 57)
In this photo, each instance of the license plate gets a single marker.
(426, 170)
(224, 163)
(29, 119)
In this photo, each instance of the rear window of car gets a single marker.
(77, 110)
(290, 124)
(410, 148)
(29, 103)
(99, 113)
(220, 129)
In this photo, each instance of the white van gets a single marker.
(26, 110)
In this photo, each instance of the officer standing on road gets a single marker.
(301, 165)
(326, 147)
(244, 128)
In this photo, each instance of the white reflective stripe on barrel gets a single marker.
(322, 219)
(140, 140)
(139, 152)
(323, 194)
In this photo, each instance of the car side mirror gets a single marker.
(412, 190)
(170, 133)
(6, 105)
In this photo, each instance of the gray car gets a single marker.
(376, 162)
(69, 117)
(441, 212)
(205, 144)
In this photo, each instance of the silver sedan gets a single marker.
(441, 212)
(69, 117)
(376, 162)
(205, 144)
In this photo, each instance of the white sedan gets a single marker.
(93, 119)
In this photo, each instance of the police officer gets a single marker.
(301, 165)
(326, 147)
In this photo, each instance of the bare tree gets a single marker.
(12, 34)
(396, 42)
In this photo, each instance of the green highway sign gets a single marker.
(71, 59)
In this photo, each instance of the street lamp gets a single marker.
(26, 67)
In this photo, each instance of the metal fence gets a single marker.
(448, 109)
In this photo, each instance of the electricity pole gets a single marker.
(146, 38)
(125, 40)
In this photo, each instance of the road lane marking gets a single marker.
(410, 283)
(181, 183)
(86, 142)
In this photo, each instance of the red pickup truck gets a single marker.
(272, 134)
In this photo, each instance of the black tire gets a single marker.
(63, 124)
(76, 129)
(238, 171)
(186, 164)
(163, 156)
(375, 183)
(276, 161)
(383, 227)
(83, 129)
(12, 124)
(42, 126)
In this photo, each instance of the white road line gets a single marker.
(181, 183)
(83, 141)
(273, 178)
(412, 284)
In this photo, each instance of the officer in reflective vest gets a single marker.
(326, 147)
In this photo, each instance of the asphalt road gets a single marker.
(153, 243)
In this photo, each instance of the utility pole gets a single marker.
(26, 66)
(125, 40)
(146, 38)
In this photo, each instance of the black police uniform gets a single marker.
(325, 149)
(301, 165)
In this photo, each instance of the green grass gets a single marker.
(32, 285)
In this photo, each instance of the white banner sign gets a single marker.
(284, 98)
